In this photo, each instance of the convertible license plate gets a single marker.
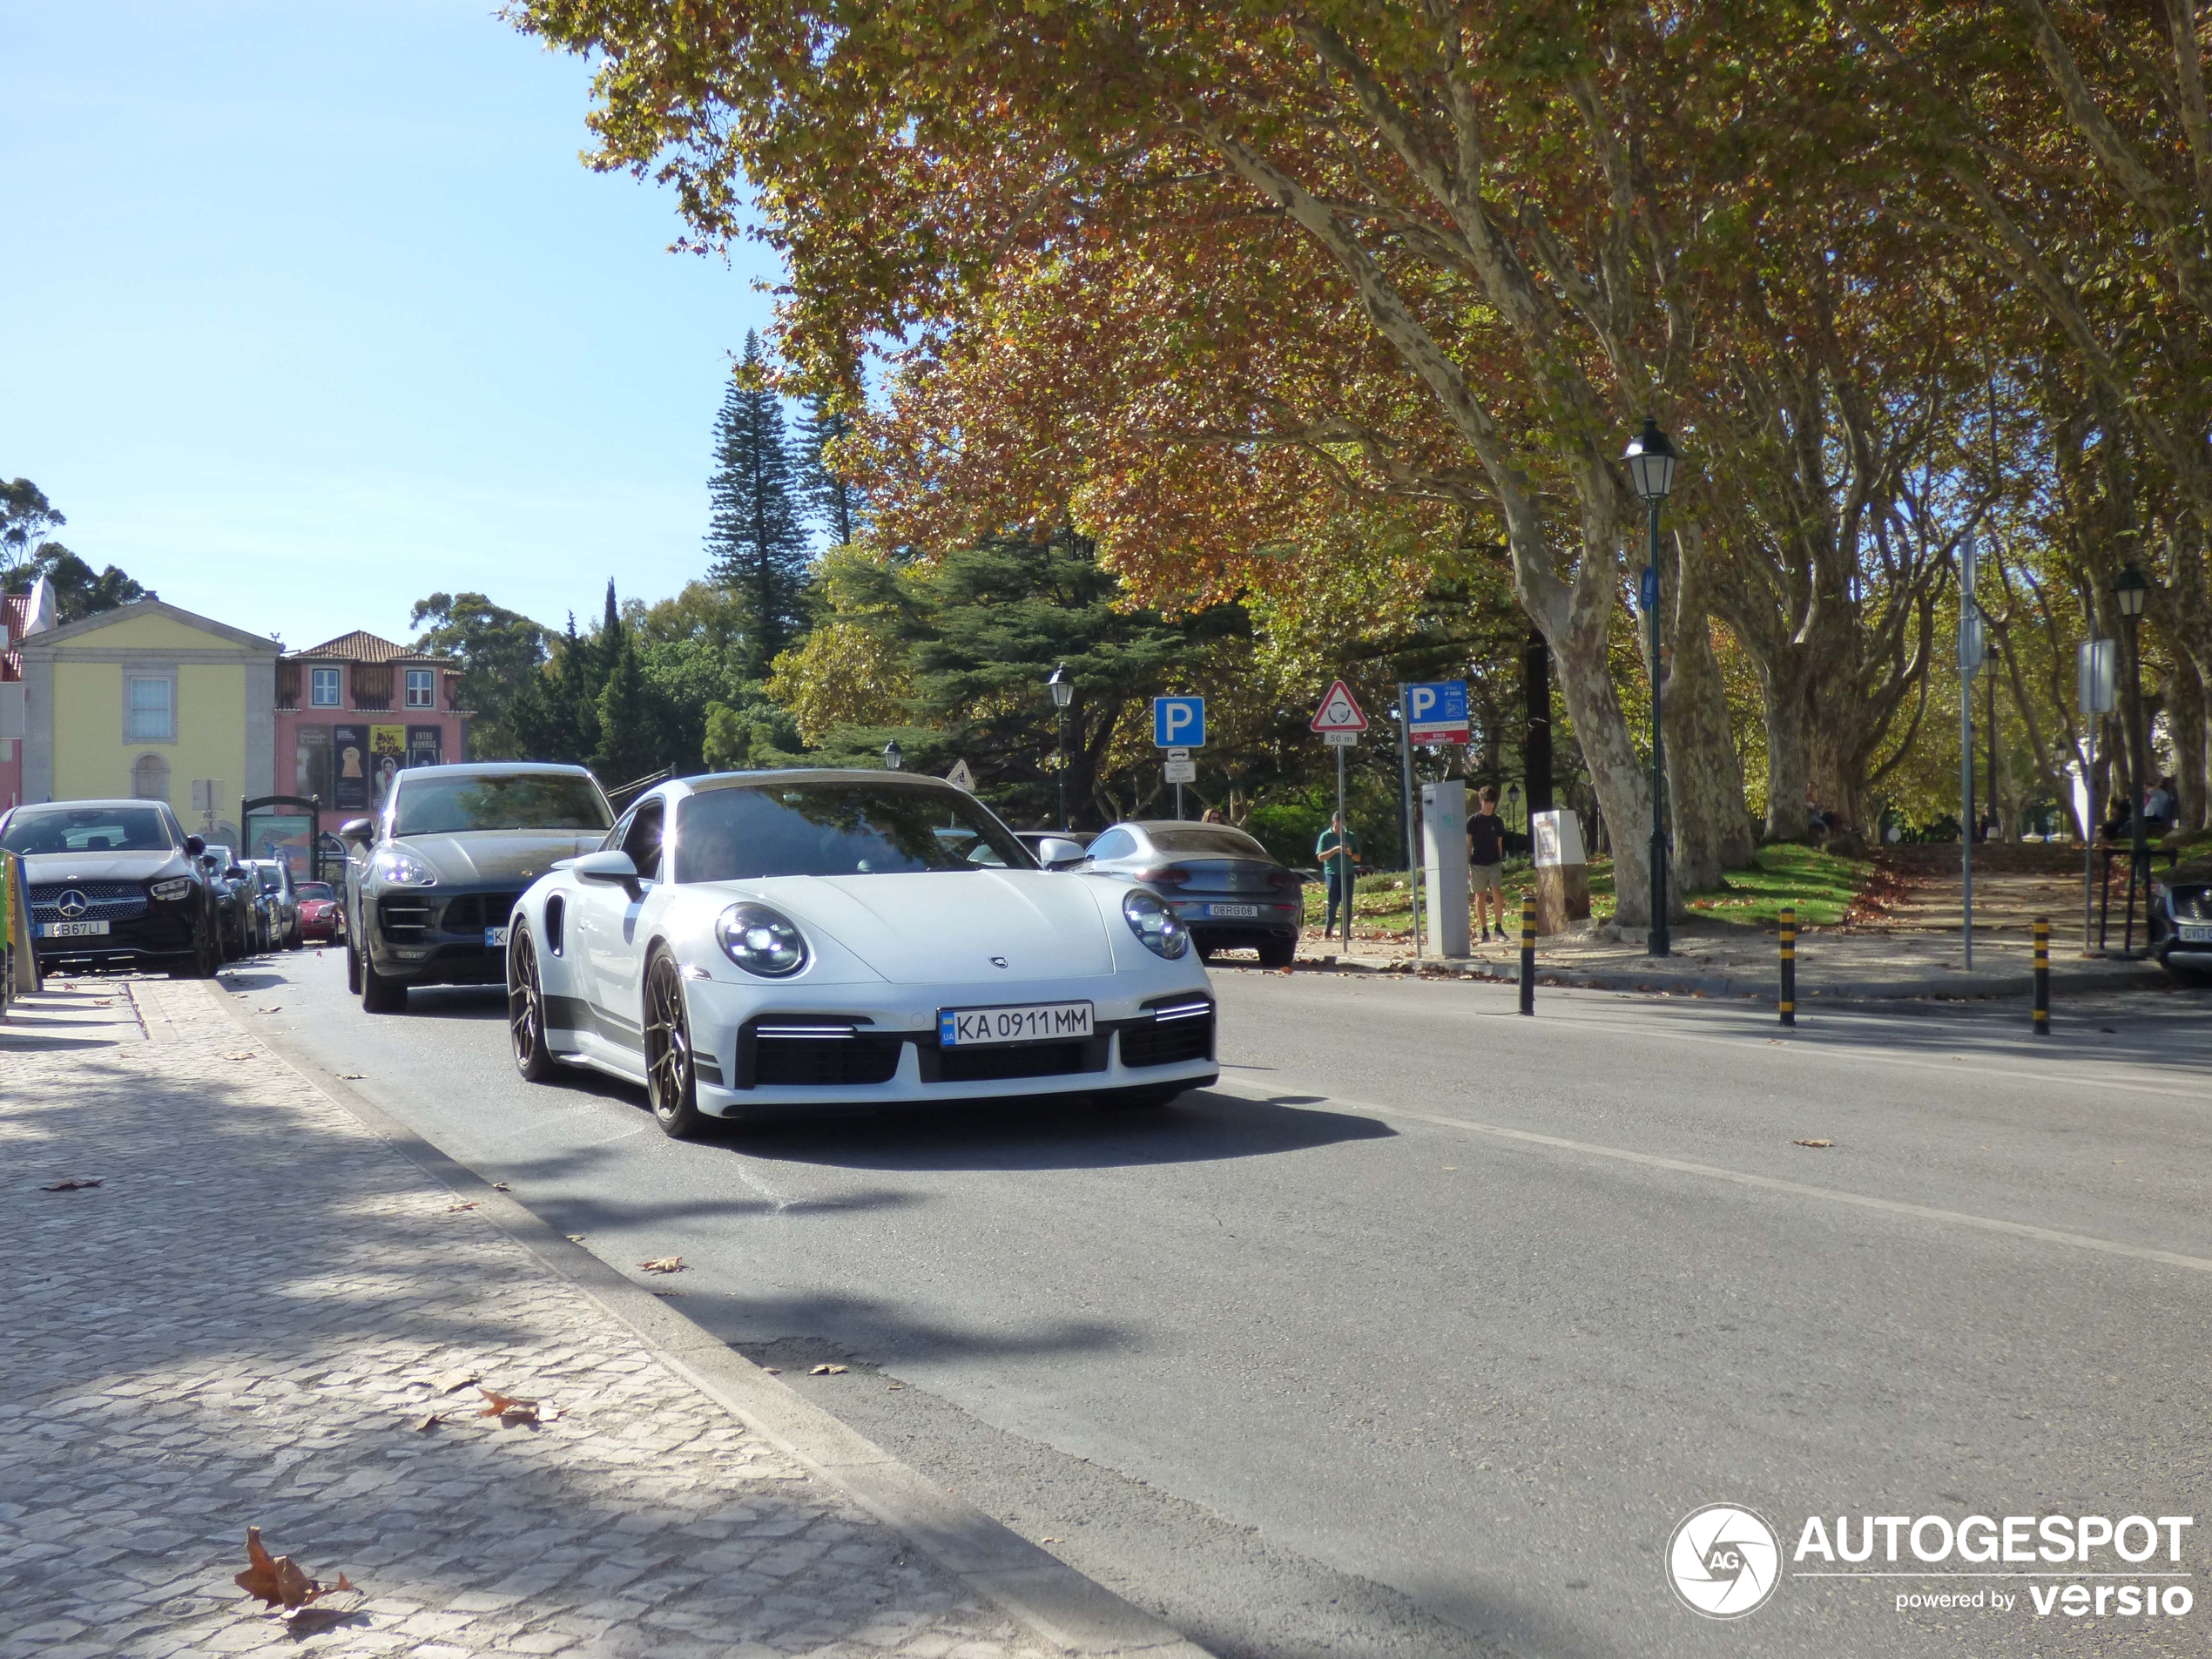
(1246, 912)
(1031, 1022)
(70, 929)
(2195, 935)
(495, 939)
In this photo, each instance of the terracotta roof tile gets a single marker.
(361, 646)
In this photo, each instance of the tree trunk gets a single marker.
(1788, 766)
(2185, 719)
(1704, 777)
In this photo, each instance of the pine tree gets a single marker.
(834, 499)
(759, 545)
(629, 735)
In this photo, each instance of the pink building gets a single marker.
(354, 711)
(20, 614)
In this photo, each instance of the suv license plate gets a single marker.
(495, 939)
(1026, 1023)
(70, 929)
(2194, 935)
(1245, 912)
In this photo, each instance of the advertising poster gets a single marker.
(349, 768)
(311, 763)
(425, 746)
(281, 834)
(387, 754)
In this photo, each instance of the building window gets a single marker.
(421, 691)
(150, 778)
(325, 688)
(151, 709)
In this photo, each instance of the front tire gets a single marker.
(380, 995)
(526, 1009)
(353, 969)
(671, 1080)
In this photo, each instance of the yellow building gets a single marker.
(147, 701)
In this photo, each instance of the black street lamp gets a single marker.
(893, 756)
(1063, 694)
(2130, 590)
(1651, 460)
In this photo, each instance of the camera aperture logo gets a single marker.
(1724, 1560)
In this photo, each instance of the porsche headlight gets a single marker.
(761, 940)
(171, 890)
(399, 869)
(1151, 919)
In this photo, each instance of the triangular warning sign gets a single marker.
(961, 778)
(1338, 712)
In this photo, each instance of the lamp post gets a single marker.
(1063, 694)
(1973, 647)
(2130, 588)
(1651, 460)
(893, 756)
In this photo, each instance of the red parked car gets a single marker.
(321, 916)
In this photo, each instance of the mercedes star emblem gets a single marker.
(73, 904)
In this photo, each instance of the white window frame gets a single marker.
(164, 672)
(315, 699)
(429, 688)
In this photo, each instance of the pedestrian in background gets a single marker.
(1337, 849)
(1486, 863)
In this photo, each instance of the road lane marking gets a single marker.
(1713, 1171)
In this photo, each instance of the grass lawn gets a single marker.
(1820, 885)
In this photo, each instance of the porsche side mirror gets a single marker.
(1055, 854)
(615, 867)
(194, 846)
(359, 831)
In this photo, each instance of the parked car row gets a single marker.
(120, 884)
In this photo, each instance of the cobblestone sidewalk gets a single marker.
(239, 1326)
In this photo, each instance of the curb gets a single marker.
(1066, 1608)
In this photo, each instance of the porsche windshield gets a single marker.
(88, 829)
(431, 805)
(742, 833)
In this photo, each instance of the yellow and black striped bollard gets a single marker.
(1790, 967)
(2042, 976)
(1528, 954)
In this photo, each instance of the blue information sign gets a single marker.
(1437, 711)
(1179, 722)
(1647, 593)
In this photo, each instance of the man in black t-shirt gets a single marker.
(1486, 860)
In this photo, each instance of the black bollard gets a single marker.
(2042, 976)
(1790, 967)
(1528, 954)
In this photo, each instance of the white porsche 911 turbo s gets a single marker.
(758, 943)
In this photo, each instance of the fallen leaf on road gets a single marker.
(446, 1381)
(427, 1421)
(1813, 1143)
(773, 1371)
(507, 1408)
(278, 1008)
(249, 1055)
(471, 1204)
(104, 1003)
(668, 1291)
(75, 1183)
(663, 1264)
(575, 1238)
(351, 1076)
(829, 1371)
(500, 1186)
(278, 1579)
(1049, 1540)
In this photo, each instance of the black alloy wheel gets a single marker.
(526, 1009)
(670, 1079)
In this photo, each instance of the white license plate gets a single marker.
(495, 938)
(2194, 935)
(1033, 1022)
(1247, 912)
(70, 929)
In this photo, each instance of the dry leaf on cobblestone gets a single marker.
(446, 1381)
(450, 1208)
(75, 1183)
(1813, 1143)
(279, 1580)
(663, 1264)
(500, 1186)
(508, 1410)
(427, 1421)
(829, 1371)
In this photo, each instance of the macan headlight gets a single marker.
(400, 869)
(1151, 919)
(761, 940)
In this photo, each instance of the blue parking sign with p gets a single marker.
(1438, 708)
(1179, 722)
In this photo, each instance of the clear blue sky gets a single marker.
(311, 309)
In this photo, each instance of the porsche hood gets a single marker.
(949, 925)
(508, 856)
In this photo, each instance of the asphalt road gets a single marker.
(1420, 1334)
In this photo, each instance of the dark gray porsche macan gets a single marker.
(430, 883)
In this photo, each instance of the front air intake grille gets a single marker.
(824, 1063)
(104, 901)
(1173, 1031)
(404, 921)
(471, 912)
(1015, 1060)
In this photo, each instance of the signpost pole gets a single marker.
(1178, 803)
(1405, 786)
(1969, 660)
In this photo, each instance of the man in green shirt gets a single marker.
(1337, 849)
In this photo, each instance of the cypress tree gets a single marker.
(629, 738)
(836, 501)
(755, 535)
